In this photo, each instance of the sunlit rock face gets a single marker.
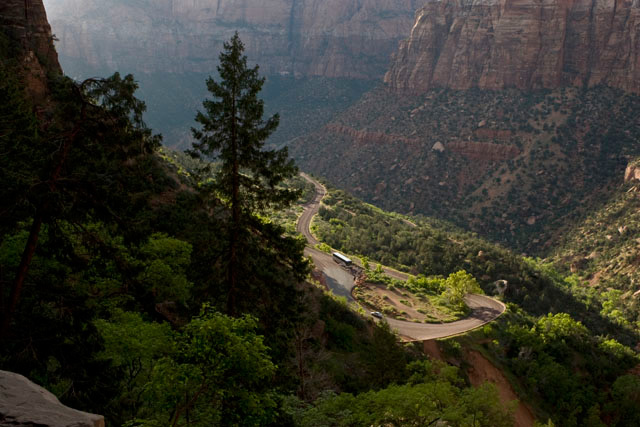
(329, 38)
(522, 44)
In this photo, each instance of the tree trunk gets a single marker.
(36, 226)
(21, 275)
(235, 212)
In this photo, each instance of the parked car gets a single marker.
(376, 314)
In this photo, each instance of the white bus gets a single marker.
(339, 258)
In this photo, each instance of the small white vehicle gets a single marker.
(376, 314)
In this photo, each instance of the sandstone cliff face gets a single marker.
(25, 21)
(330, 38)
(496, 44)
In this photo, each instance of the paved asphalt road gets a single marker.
(310, 210)
(337, 278)
(483, 311)
(341, 283)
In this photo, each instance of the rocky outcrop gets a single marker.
(23, 403)
(500, 134)
(632, 172)
(522, 44)
(25, 21)
(471, 150)
(330, 38)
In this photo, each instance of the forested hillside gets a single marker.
(156, 295)
(558, 345)
(517, 167)
(160, 288)
(602, 252)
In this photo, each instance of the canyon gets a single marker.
(329, 38)
(321, 54)
(507, 117)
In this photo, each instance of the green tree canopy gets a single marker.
(220, 374)
(233, 131)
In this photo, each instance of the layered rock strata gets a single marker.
(524, 44)
(330, 38)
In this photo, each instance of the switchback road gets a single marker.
(341, 282)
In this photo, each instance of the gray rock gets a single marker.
(23, 403)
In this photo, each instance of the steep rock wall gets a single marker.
(330, 38)
(496, 44)
(25, 22)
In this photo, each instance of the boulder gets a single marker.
(23, 403)
(632, 173)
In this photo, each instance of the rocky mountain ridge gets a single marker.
(329, 38)
(522, 44)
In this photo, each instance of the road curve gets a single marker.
(483, 308)
(483, 311)
(310, 210)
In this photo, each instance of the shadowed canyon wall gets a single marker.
(329, 38)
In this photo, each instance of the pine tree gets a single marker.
(234, 132)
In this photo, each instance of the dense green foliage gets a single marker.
(561, 365)
(434, 393)
(602, 254)
(565, 354)
(121, 256)
(217, 372)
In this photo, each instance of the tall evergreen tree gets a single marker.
(233, 131)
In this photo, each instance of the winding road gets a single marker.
(341, 283)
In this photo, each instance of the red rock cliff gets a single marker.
(26, 22)
(524, 44)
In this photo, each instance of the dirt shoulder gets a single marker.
(482, 370)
